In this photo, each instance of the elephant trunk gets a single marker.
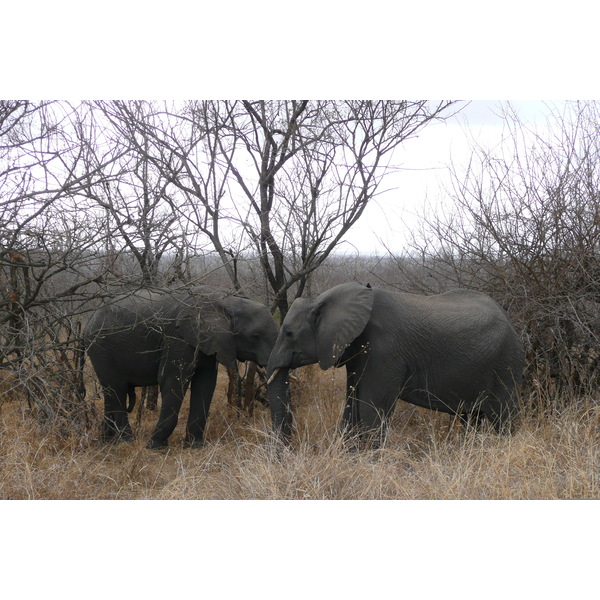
(278, 394)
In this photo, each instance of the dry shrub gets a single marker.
(427, 455)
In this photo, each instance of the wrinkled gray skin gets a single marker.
(174, 340)
(455, 352)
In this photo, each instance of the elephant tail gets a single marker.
(131, 397)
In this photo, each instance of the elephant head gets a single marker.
(230, 328)
(316, 330)
(254, 330)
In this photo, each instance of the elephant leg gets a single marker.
(202, 390)
(376, 393)
(373, 420)
(116, 425)
(172, 391)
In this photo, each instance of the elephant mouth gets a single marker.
(299, 359)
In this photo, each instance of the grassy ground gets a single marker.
(426, 456)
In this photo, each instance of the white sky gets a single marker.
(425, 175)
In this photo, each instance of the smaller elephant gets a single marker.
(175, 340)
(455, 352)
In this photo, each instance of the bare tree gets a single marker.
(138, 217)
(307, 171)
(167, 139)
(285, 180)
(48, 249)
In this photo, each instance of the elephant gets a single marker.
(455, 352)
(175, 340)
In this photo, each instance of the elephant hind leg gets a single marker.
(116, 427)
(172, 393)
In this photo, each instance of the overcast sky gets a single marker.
(425, 176)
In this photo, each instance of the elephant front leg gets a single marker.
(377, 390)
(202, 391)
(373, 423)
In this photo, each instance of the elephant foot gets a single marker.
(157, 444)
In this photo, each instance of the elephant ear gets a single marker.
(210, 330)
(340, 316)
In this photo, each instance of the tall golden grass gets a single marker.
(426, 455)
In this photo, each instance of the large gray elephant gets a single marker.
(174, 340)
(455, 352)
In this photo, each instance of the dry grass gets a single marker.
(426, 456)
